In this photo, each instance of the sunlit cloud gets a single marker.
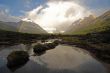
(55, 14)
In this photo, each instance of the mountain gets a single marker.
(90, 25)
(9, 26)
(30, 27)
(22, 26)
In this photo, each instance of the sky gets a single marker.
(50, 14)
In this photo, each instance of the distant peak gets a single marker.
(92, 16)
(27, 20)
(107, 13)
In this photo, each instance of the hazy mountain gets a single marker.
(30, 27)
(90, 24)
(22, 26)
(9, 26)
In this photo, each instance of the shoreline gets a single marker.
(95, 53)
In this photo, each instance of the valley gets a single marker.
(92, 34)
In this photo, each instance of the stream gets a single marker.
(62, 59)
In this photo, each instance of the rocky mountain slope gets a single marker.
(91, 24)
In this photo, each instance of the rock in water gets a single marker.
(50, 46)
(17, 59)
(39, 49)
(56, 42)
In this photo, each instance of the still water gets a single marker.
(62, 59)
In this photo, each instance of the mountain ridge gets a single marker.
(23, 27)
(98, 24)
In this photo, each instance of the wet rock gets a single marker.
(39, 49)
(17, 59)
(53, 44)
(50, 46)
(56, 42)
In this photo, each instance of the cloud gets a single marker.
(27, 3)
(6, 17)
(57, 14)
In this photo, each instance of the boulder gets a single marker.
(17, 59)
(56, 42)
(50, 46)
(39, 49)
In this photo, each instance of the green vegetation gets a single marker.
(97, 43)
(5, 26)
(40, 49)
(94, 37)
(13, 38)
(100, 24)
(30, 27)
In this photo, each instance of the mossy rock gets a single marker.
(51, 46)
(56, 42)
(39, 49)
(17, 58)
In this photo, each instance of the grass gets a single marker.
(10, 37)
(98, 25)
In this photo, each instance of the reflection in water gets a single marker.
(14, 68)
(62, 59)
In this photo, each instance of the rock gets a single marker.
(39, 49)
(56, 42)
(53, 44)
(16, 59)
(50, 46)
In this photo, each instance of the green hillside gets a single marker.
(95, 37)
(5, 26)
(100, 24)
(30, 27)
(23, 27)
